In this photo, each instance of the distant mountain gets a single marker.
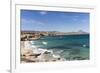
(80, 32)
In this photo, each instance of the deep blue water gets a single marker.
(70, 47)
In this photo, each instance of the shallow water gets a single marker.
(70, 47)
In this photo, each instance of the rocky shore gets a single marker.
(35, 35)
(33, 54)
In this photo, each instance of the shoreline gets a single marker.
(33, 54)
(35, 35)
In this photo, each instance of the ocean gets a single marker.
(69, 47)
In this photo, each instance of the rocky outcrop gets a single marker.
(38, 55)
(29, 56)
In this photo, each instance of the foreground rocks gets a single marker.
(46, 56)
(34, 54)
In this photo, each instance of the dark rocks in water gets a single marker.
(36, 55)
(47, 52)
(78, 58)
(59, 58)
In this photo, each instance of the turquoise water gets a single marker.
(70, 47)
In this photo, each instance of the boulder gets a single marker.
(26, 52)
(47, 52)
(36, 55)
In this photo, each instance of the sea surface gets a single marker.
(69, 47)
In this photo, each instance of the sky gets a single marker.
(35, 20)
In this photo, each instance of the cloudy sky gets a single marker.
(54, 21)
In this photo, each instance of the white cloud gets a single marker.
(43, 12)
(32, 21)
(75, 18)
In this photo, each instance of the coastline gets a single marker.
(30, 53)
(35, 35)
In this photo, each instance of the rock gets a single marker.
(27, 60)
(47, 52)
(54, 60)
(36, 55)
(78, 58)
(26, 52)
(59, 58)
